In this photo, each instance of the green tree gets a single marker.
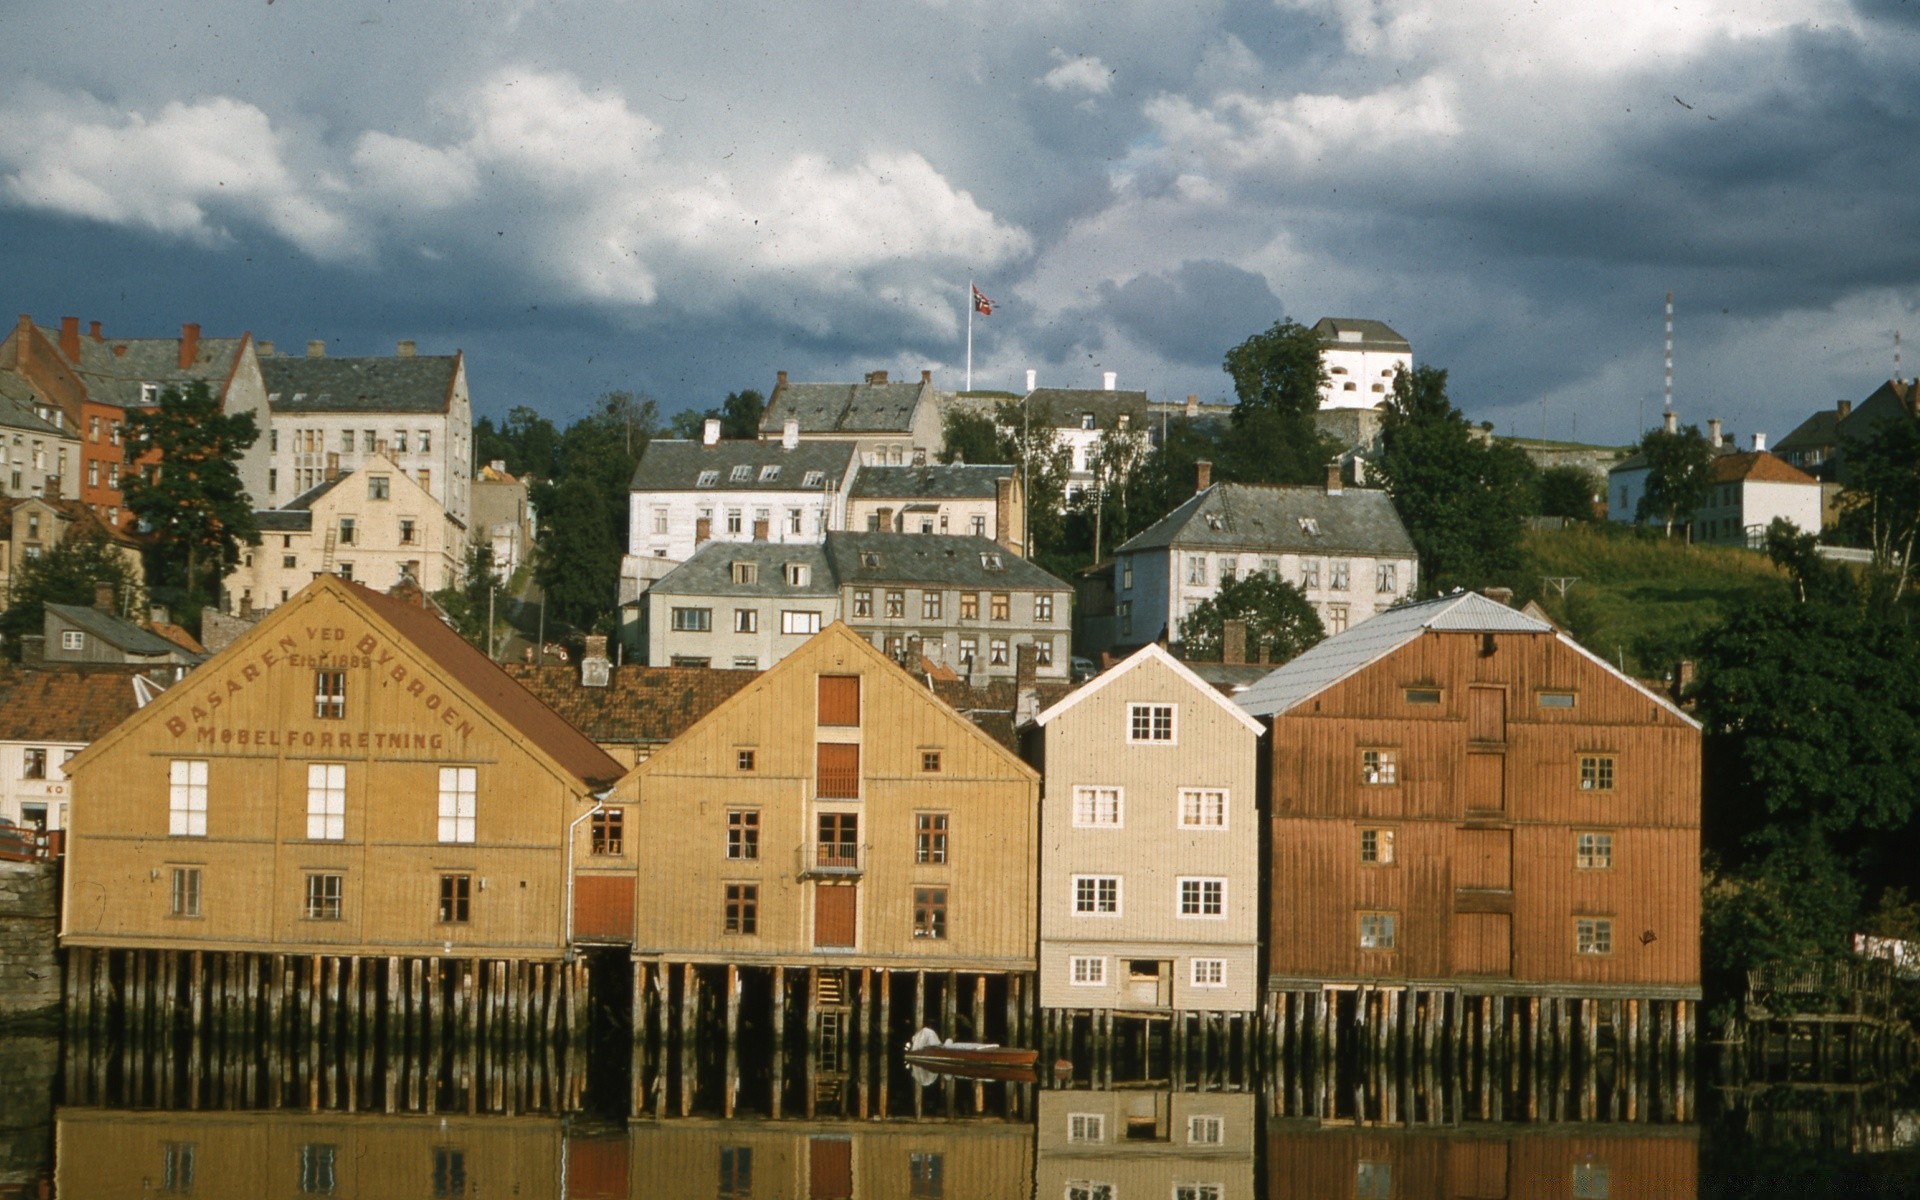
(1277, 376)
(1464, 498)
(191, 502)
(69, 573)
(578, 567)
(1568, 492)
(525, 441)
(1883, 495)
(968, 436)
(1280, 622)
(469, 605)
(1678, 475)
(739, 417)
(1022, 435)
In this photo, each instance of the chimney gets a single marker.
(246, 605)
(333, 465)
(926, 377)
(1233, 642)
(876, 376)
(789, 434)
(1759, 442)
(702, 530)
(1672, 424)
(1193, 404)
(189, 344)
(316, 349)
(760, 528)
(1108, 380)
(779, 380)
(103, 598)
(93, 331)
(886, 519)
(1003, 511)
(1499, 595)
(595, 669)
(33, 649)
(710, 432)
(1843, 409)
(263, 349)
(406, 349)
(1683, 678)
(70, 338)
(1335, 486)
(1713, 432)
(1033, 378)
(1122, 420)
(1202, 476)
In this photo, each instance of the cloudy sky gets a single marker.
(683, 197)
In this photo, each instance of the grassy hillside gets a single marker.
(1640, 599)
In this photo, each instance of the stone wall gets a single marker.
(26, 1113)
(29, 971)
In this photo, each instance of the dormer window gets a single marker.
(149, 393)
(1215, 523)
(1310, 526)
(870, 558)
(746, 572)
(708, 479)
(1336, 370)
(799, 574)
(1086, 420)
(992, 562)
(741, 474)
(769, 474)
(814, 479)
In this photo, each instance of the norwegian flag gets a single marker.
(981, 304)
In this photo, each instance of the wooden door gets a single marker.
(837, 771)
(1484, 859)
(1486, 783)
(829, 1168)
(603, 907)
(1148, 981)
(838, 845)
(836, 910)
(1487, 714)
(1483, 943)
(840, 700)
(597, 1168)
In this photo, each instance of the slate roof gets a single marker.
(844, 407)
(78, 515)
(117, 632)
(639, 705)
(1758, 466)
(418, 384)
(16, 410)
(284, 520)
(1064, 407)
(1374, 335)
(710, 571)
(959, 481)
(67, 704)
(921, 558)
(1816, 432)
(675, 465)
(1268, 517)
(113, 369)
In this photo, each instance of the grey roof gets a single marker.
(1269, 517)
(675, 465)
(1374, 335)
(16, 412)
(1818, 430)
(307, 499)
(113, 369)
(921, 558)
(283, 520)
(1065, 406)
(710, 571)
(117, 632)
(1373, 639)
(417, 384)
(844, 407)
(959, 481)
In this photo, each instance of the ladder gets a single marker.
(326, 555)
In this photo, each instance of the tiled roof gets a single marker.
(992, 708)
(114, 369)
(960, 481)
(178, 636)
(66, 704)
(710, 571)
(639, 705)
(1064, 406)
(1374, 335)
(843, 407)
(673, 465)
(916, 558)
(1758, 466)
(1281, 519)
(418, 384)
(115, 631)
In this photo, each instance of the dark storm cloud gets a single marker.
(1182, 314)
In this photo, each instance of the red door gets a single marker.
(603, 907)
(836, 908)
(829, 1168)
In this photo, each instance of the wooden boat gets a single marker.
(978, 1060)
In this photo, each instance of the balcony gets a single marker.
(839, 860)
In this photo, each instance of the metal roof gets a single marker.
(1151, 652)
(675, 465)
(417, 384)
(959, 481)
(1281, 519)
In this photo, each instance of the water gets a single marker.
(227, 1121)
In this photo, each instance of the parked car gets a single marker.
(1083, 669)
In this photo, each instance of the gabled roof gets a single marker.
(639, 705)
(416, 384)
(674, 465)
(710, 571)
(68, 704)
(993, 707)
(1151, 652)
(1373, 335)
(76, 513)
(118, 632)
(16, 409)
(844, 407)
(1817, 431)
(1281, 519)
(1065, 406)
(1756, 466)
(921, 558)
(1346, 654)
(113, 369)
(957, 481)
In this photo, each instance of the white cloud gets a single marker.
(1078, 73)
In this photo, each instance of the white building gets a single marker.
(48, 715)
(962, 498)
(893, 424)
(1362, 358)
(1749, 492)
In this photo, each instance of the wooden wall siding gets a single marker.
(677, 804)
(1146, 1168)
(115, 1154)
(978, 1160)
(1087, 746)
(258, 741)
(1241, 994)
(1468, 811)
(1323, 1162)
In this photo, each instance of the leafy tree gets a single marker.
(68, 574)
(525, 441)
(1277, 376)
(579, 561)
(468, 605)
(1117, 459)
(191, 503)
(968, 437)
(1678, 467)
(1280, 621)
(1814, 578)
(1028, 441)
(1568, 492)
(1883, 495)
(739, 417)
(1463, 497)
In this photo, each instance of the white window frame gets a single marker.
(1119, 896)
(326, 802)
(800, 621)
(1087, 970)
(187, 797)
(1218, 973)
(1088, 810)
(1593, 850)
(1194, 808)
(1086, 1127)
(1173, 724)
(1390, 928)
(459, 791)
(1206, 1130)
(1593, 937)
(72, 639)
(1202, 882)
(1198, 1191)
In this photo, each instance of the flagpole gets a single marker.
(969, 333)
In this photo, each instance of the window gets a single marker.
(1376, 846)
(1043, 653)
(1593, 935)
(1197, 1191)
(1336, 618)
(1372, 1180)
(1556, 699)
(743, 833)
(457, 792)
(743, 760)
(449, 1171)
(346, 531)
(930, 605)
(741, 473)
(1593, 851)
(456, 893)
(930, 912)
(1086, 1127)
(1339, 572)
(1096, 895)
(707, 479)
(1591, 1181)
(692, 620)
(1376, 931)
(346, 570)
(1310, 573)
(1080, 1189)
(1099, 806)
(795, 621)
(926, 1175)
(93, 474)
(176, 1167)
(896, 604)
(1150, 723)
(1386, 577)
(969, 606)
(1001, 608)
(734, 521)
(1042, 608)
(837, 770)
(1423, 695)
(799, 574)
(377, 487)
(743, 909)
(1209, 972)
(736, 1170)
(1203, 897)
(814, 479)
(1203, 808)
(978, 525)
(186, 891)
(840, 700)
(746, 620)
(1087, 971)
(399, 441)
(609, 831)
(1596, 772)
(316, 1169)
(329, 694)
(1197, 570)
(769, 474)
(997, 652)
(930, 761)
(660, 521)
(745, 662)
(1205, 1131)
(326, 801)
(930, 838)
(793, 521)
(323, 897)
(34, 764)
(862, 602)
(1126, 618)
(289, 561)
(1380, 768)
